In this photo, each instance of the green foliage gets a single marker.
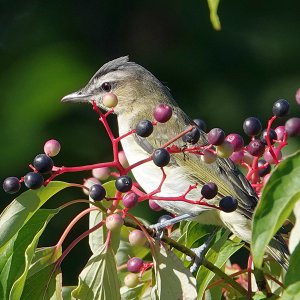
(213, 13)
(279, 196)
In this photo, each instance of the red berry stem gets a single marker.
(268, 140)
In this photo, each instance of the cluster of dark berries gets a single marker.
(42, 165)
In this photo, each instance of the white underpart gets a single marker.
(149, 176)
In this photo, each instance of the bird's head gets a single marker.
(135, 87)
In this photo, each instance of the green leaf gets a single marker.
(293, 273)
(218, 254)
(44, 281)
(172, 279)
(132, 293)
(294, 239)
(279, 196)
(19, 211)
(292, 292)
(67, 292)
(99, 280)
(213, 10)
(18, 253)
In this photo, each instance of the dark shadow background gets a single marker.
(51, 48)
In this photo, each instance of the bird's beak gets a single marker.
(76, 97)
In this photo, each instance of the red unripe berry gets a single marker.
(292, 127)
(236, 140)
(137, 238)
(130, 199)
(154, 206)
(162, 113)
(101, 173)
(114, 222)
(269, 158)
(280, 131)
(135, 264)
(208, 156)
(237, 157)
(297, 96)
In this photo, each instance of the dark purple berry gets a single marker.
(236, 140)
(144, 128)
(11, 185)
(281, 108)
(209, 190)
(192, 136)
(256, 147)
(161, 157)
(164, 218)
(228, 204)
(33, 180)
(272, 136)
(265, 170)
(123, 184)
(135, 264)
(130, 199)
(252, 126)
(162, 113)
(292, 127)
(43, 163)
(200, 124)
(216, 136)
(97, 192)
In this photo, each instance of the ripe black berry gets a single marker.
(123, 184)
(43, 163)
(161, 157)
(256, 147)
(228, 204)
(264, 171)
(144, 128)
(272, 136)
(192, 136)
(216, 136)
(209, 190)
(200, 124)
(135, 264)
(33, 180)
(97, 192)
(252, 126)
(11, 185)
(281, 108)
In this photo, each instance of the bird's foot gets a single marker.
(199, 255)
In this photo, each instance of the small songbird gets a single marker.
(139, 92)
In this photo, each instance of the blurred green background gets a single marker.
(51, 48)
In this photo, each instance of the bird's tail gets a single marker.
(279, 251)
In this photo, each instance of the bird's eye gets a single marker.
(106, 86)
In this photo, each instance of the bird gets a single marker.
(139, 92)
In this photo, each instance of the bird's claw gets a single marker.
(199, 255)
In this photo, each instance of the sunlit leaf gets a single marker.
(279, 196)
(293, 273)
(294, 239)
(67, 292)
(99, 280)
(19, 211)
(172, 279)
(18, 252)
(292, 292)
(44, 281)
(218, 254)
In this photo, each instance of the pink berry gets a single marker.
(137, 238)
(131, 280)
(248, 158)
(130, 199)
(237, 157)
(280, 131)
(101, 173)
(292, 126)
(269, 158)
(89, 183)
(154, 206)
(110, 100)
(162, 113)
(114, 222)
(52, 147)
(135, 264)
(236, 140)
(297, 96)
